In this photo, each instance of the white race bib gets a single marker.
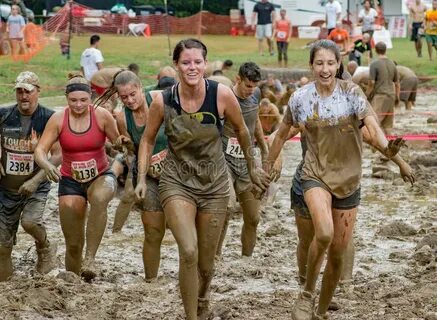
(234, 149)
(156, 163)
(19, 164)
(282, 35)
(84, 171)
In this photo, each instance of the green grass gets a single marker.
(152, 53)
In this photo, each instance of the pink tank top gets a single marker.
(83, 154)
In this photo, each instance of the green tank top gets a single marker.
(136, 132)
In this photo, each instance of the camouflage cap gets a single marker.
(27, 80)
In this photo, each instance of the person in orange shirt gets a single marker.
(282, 34)
(341, 37)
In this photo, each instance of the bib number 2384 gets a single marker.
(19, 164)
(84, 171)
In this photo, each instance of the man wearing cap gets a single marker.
(23, 186)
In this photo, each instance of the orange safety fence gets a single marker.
(202, 22)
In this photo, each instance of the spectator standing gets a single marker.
(340, 36)
(264, 14)
(282, 33)
(332, 14)
(366, 18)
(431, 28)
(417, 16)
(14, 27)
(91, 60)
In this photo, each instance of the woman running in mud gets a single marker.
(131, 123)
(85, 174)
(329, 112)
(194, 185)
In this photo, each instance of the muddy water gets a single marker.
(393, 278)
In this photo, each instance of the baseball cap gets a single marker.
(27, 80)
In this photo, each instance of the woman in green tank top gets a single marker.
(194, 186)
(132, 122)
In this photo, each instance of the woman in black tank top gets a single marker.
(194, 188)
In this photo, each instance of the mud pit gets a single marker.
(394, 274)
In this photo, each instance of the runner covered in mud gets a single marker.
(329, 110)
(269, 116)
(248, 95)
(85, 174)
(194, 185)
(131, 124)
(23, 186)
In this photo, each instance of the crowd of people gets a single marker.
(189, 147)
(185, 148)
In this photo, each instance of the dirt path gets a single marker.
(394, 275)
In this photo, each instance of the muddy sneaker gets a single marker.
(88, 270)
(303, 307)
(334, 305)
(46, 258)
(302, 280)
(203, 308)
(317, 316)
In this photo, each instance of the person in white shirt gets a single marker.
(91, 60)
(367, 17)
(333, 14)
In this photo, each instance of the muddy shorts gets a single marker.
(408, 89)
(216, 202)
(350, 202)
(14, 207)
(238, 174)
(151, 202)
(297, 203)
(70, 187)
(383, 105)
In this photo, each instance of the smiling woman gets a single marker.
(193, 188)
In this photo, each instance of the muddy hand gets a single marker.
(140, 190)
(2, 171)
(260, 179)
(407, 174)
(28, 187)
(393, 147)
(124, 143)
(52, 173)
(275, 173)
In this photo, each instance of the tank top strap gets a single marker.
(171, 100)
(210, 103)
(65, 120)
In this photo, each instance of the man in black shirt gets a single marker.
(264, 14)
(23, 186)
(361, 46)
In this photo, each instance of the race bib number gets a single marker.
(234, 149)
(156, 164)
(84, 171)
(19, 164)
(282, 35)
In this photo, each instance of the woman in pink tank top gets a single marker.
(85, 173)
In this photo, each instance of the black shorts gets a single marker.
(70, 187)
(298, 204)
(415, 31)
(350, 202)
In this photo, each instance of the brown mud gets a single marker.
(394, 271)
